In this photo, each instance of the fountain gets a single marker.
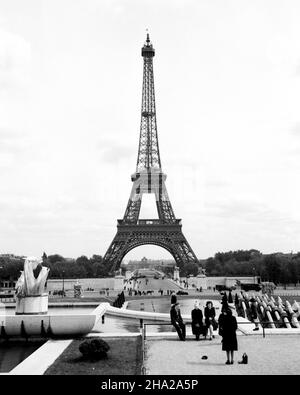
(32, 319)
(31, 297)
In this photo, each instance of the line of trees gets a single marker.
(82, 267)
(277, 267)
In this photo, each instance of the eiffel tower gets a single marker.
(166, 230)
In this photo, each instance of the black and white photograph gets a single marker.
(149, 190)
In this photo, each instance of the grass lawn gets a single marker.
(124, 357)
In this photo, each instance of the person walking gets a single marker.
(253, 313)
(210, 322)
(197, 320)
(177, 321)
(227, 329)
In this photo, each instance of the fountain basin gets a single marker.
(46, 325)
(35, 304)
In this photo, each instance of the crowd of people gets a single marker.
(138, 292)
(205, 323)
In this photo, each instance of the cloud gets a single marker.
(216, 184)
(113, 150)
(15, 59)
(17, 147)
(11, 140)
(297, 70)
(253, 213)
(295, 130)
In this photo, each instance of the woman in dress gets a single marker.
(209, 314)
(227, 329)
(197, 321)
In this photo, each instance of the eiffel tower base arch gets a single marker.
(167, 236)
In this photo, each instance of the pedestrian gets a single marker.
(227, 329)
(224, 299)
(210, 322)
(253, 313)
(177, 321)
(197, 320)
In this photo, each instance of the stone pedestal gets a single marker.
(119, 283)
(176, 274)
(30, 305)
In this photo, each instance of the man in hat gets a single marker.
(177, 320)
(253, 313)
(173, 298)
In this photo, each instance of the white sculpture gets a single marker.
(30, 291)
(27, 284)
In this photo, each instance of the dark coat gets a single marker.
(253, 311)
(173, 298)
(209, 315)
(227, 329)
(175, 316)
(197, 321)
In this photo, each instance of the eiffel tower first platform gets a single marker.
(166, 230)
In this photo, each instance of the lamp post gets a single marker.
(63, 288)
(1, 267)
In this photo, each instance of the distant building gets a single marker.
(7, 286)
(144, 263)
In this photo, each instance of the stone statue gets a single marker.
(27, 284)
(77, 290)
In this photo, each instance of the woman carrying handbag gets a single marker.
(227, 329)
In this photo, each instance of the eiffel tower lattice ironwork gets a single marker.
(166, 230)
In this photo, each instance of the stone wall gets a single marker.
(95, 283)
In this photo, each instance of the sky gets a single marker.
(227, 84)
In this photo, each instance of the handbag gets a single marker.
(245, 358)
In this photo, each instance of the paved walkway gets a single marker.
(39, 361)
(272, 355)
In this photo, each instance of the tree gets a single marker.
(190, 269)
(272, 268)
(55, 258)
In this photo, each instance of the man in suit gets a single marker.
(173, 298)
(177, 321)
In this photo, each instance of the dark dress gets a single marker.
(197, 322)
(227, 329)
(177, 322)
(209, 315)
